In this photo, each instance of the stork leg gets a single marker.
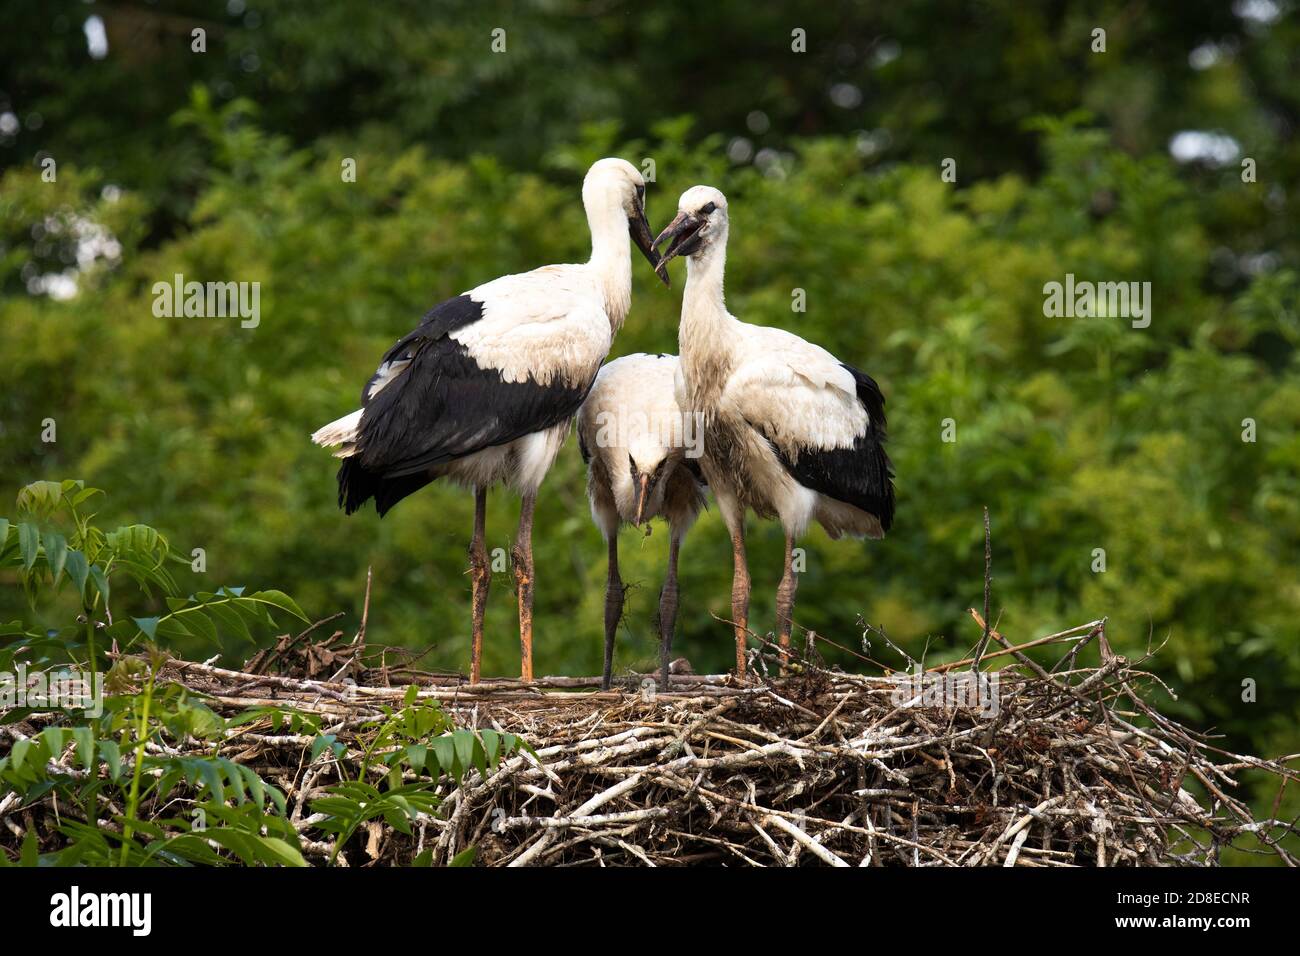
(480, 579)
(785, 599)
(522, 558)
(668, 610)
(740, 593)
(613, 609)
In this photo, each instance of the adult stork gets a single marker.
(642, 463)
(790, 431)
(484, 389)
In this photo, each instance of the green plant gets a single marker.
(114, 779)
(105, 763)
(55, 545)
(417, 739)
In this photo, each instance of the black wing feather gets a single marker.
(444, 406)
(860, 475)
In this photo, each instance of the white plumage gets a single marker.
(483, 391)
(790, 431)
(642, 455)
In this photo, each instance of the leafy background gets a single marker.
(1077, 433)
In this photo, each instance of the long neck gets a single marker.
(611, 256)
(705, 335)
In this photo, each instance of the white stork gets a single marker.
(790, 431)
(642, 457)
(484, 389)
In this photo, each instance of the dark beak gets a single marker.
(639, 228)
(681, 231)
(642, 495)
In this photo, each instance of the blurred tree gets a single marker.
(917, 81)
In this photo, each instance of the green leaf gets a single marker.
(417, 755)
(281, 600)
(321, 742)
(230, 620)
(101, 581)
(464, 857)
(85, 494)
(56, 554)
(78, 570)
(197, 623)
(29, 541)
(19, 752)
(53, 738)
(254, 611)
(40, 498)
(282, 852)
(85, 746)
(464, 740)
(211, 777)
(149, 625)
(256, 788)
(31, 854)
(444, 749)
(112, 755)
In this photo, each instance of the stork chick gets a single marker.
(483, 391)
(790, 431)
(641, 454)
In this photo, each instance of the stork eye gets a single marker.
(708, 210)
(640, 193)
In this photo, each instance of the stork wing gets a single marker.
(825, 419)
(481, 370)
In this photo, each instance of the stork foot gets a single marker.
(614, 594)
(480, 580)
(523, 570)
(667, 624)
(522, 560)
(785, 593)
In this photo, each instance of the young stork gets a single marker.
(789, 430)
(641, 452)
(484, 389)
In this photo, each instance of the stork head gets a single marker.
(700, 225)
(649, 465)
(615, 185)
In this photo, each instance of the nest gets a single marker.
(805, 764)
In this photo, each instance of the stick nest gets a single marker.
(816, 766)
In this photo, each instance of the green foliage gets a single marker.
(46, 556)
(129, 755)
(925, 80)
(103, 762)
(418, 739)
(234, 815)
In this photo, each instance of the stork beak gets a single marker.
(681, 231)
(639, 228)
(642, 495)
